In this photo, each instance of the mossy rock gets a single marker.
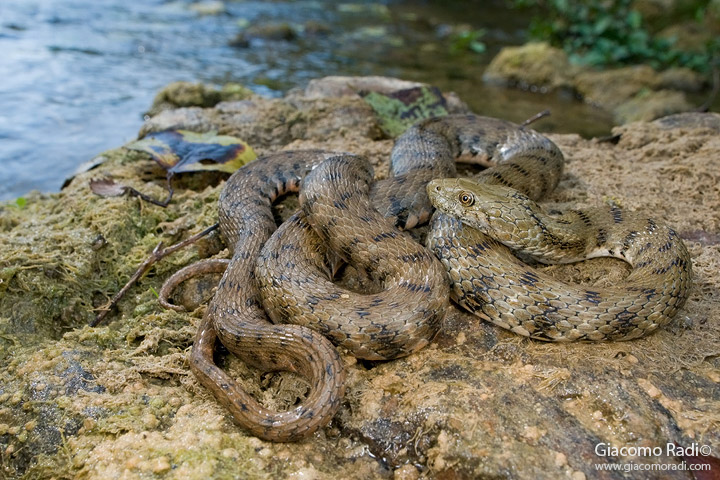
(534, 65)
(188, 94)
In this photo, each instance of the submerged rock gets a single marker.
(119, 401)
(208, 7)
(281, 31)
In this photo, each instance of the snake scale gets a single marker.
(345, 217)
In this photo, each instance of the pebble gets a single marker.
(406, 472)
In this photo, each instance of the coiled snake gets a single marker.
(288, 273)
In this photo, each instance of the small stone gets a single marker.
(160, 465)
(231, 453)
(653, 392)
(133, 462)
(532, 433)
(88, 424)
(150, 421)
(265, 452)
(406, 472)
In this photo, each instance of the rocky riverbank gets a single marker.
(630, 94)
(119, 401)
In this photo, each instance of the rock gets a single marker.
(610, 88)
(194, 119)
(647, 105)
(531, 66)
(313, 27)
(637, 93)
(281, 31)
(340, 86)
(617, 90)
(188, 94)
(690, 36)
(689, 120)
(208, 7)
(118, 401)
(682, 79)
(656, 9)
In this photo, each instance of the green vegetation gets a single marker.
(602, 32)
(468, 40)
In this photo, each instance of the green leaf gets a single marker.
(634, 19)
(21, 202)
(399, 110)
(185, 151)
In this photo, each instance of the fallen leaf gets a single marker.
(186, 151)
(106, 187)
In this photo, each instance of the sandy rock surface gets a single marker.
(119, 401)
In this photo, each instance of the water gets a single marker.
(76, 75)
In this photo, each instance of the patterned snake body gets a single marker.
(295, 274)
(236, 316)
(489, 280)
(400, 319)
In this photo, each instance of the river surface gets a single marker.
(77, 75)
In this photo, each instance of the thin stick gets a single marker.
(160, 203)
(535, 118)
(157, 254)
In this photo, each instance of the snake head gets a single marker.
(493, 209)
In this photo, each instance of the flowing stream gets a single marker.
(77, 75)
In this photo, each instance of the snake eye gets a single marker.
(466, 199)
